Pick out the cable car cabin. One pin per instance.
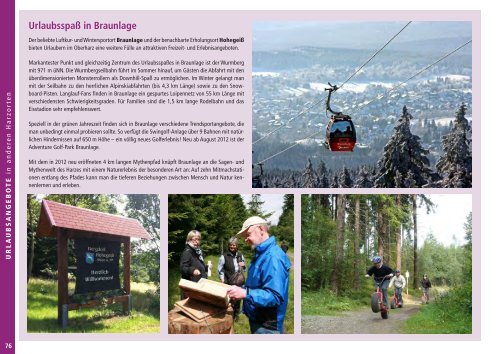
(340, 134)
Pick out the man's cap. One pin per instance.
(251, 221)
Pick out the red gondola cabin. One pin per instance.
(340, 134)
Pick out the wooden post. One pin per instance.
(127, 254)
(62, 278)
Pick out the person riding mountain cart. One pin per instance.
(381, 275)
(399, 282)
(426, 285)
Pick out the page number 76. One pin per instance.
(8, 345)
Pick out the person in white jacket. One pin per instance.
(399, 283)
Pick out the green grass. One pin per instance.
(325, 303)
(450, 313)
(42, 312)
(241, 326)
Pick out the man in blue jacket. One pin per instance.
(265, 294)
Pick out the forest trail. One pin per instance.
(362, 321)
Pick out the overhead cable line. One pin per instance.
(288, 148)
(406, 81)
(379, 96)
(373, 56)
(339, 87)
(288, 121)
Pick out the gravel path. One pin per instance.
(360, 321)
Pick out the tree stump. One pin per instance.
(179, 323)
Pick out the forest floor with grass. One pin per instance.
(450, 312)
(42, 311)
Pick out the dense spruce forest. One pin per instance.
(341, 233)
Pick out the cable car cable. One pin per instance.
(288, 121)
(404, 82)
(288, 148)
(337, 88)
(343, 137)
(373, 56)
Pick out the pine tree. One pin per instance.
(455, 165)
(309, 177)
(404, 154)
(409, 181)
(356, 240)
(255, 207)
(323, 175)
(335, 182)
(336, 276)
(398, 180)
(290, 182)
(415, 241)
(345, 178)
(467, 264)
(364, 179)
(146, 209)
(33, 210)
(285, 230)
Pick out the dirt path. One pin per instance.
(360, 321)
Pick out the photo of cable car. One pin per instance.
(361, 104)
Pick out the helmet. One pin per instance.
(376, 259)
(398, 271)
